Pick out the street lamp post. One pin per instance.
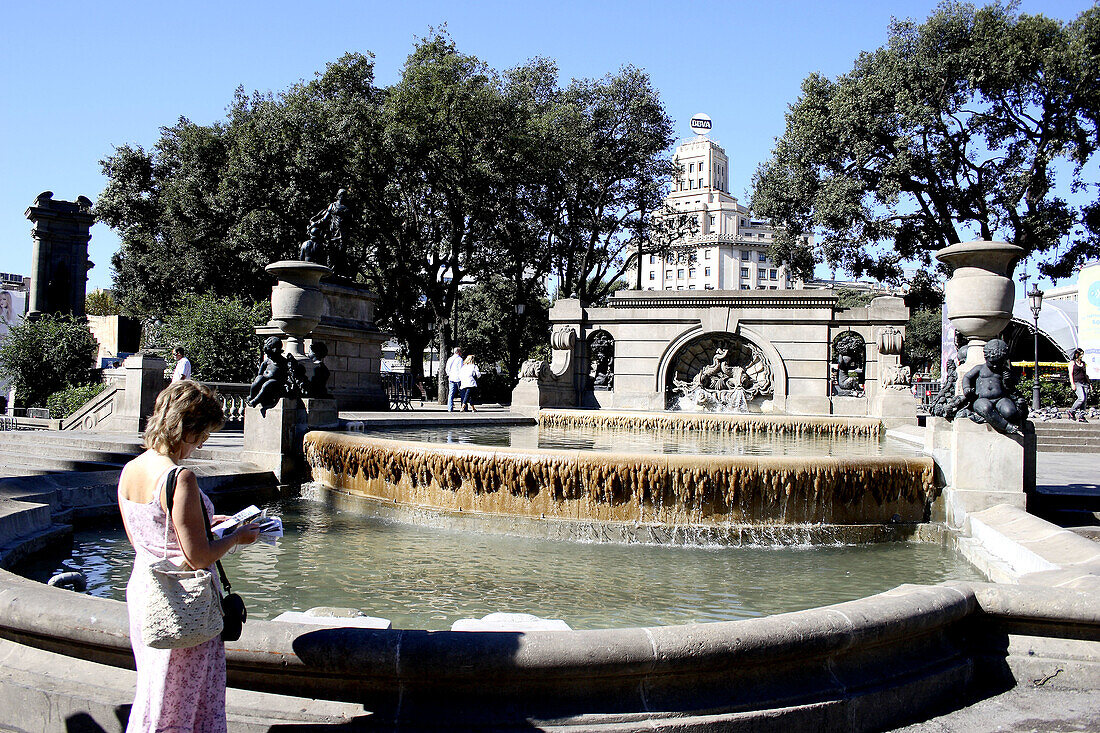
(1035, 298)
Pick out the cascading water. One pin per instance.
(663, 490)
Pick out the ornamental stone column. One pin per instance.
(59, 265)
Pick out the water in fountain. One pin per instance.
(427, 578)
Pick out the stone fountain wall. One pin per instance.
(793, 329)
(670, 490)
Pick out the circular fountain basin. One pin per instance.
(660, 497)
(424, 578)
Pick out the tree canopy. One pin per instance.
(455, 174)
(959, 127)
(46, 355)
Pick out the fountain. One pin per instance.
(586, 491)
(867, 664)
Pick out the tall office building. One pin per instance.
(730, 246)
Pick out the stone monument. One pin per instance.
(59, 267)
(993, 461)
(281, 407)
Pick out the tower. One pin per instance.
(59, 266)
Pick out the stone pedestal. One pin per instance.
(848, 406)
(143, 380)
(346, 327)
(986, 469)
(895, 407)
(529, 395)
(274, 441)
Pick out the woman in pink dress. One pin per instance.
(177, 689)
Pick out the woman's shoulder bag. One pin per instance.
(182, 608)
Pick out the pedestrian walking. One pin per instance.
(1079, 383)
(468, 376)
(183, 365)
(454, 380)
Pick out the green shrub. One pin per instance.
(67, 401)
(1052, 393)
(47, 355)
(219, 335)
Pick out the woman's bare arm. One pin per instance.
(187, 517)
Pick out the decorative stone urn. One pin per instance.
(297, 300)
(979, 294)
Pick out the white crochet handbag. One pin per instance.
(182, 606)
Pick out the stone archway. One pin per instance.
(720, 372)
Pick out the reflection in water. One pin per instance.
(428, 578)
(653, 441)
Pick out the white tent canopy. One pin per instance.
(1057, 321)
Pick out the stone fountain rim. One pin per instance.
(468, 449)
(282, 266)
(985, 246)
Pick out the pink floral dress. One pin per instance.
(177, 689)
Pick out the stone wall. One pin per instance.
(793, 328)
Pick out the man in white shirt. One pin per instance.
(454, 365)
(183, 366)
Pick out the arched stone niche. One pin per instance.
(848, 364)
(719, 371)
(601, 360)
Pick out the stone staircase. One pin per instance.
(33, 452)
(75, 474)
(1064, 436)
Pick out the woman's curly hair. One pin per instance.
(184, 411)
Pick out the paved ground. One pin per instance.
(1024, 709)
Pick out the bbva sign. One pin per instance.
(700, 123)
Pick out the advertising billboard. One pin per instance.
(1088, 316)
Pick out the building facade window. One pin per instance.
(744, 255)
(744, 272)
(680, 272)
(773, 275)
(762, 256)
(691, 168)
(706, 271)
(691, 272)
(652, 275)
(706, 254)
(700, 183)
(668, 274)
(652, 259)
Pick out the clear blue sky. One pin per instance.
(80, 78)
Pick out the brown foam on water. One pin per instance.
(668, 489)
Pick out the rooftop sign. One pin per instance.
(700, 124)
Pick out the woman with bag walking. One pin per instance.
(1079, 383)
(178, 689)
(468, 376)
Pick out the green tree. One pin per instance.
(218, 335)
(852, 298)
(46, 355)
(922, 338)
(958, 127)
(611, 173)
(433, 208)
(101, 303)
(209, 206)
(490, 328)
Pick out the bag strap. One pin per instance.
(169, 494)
